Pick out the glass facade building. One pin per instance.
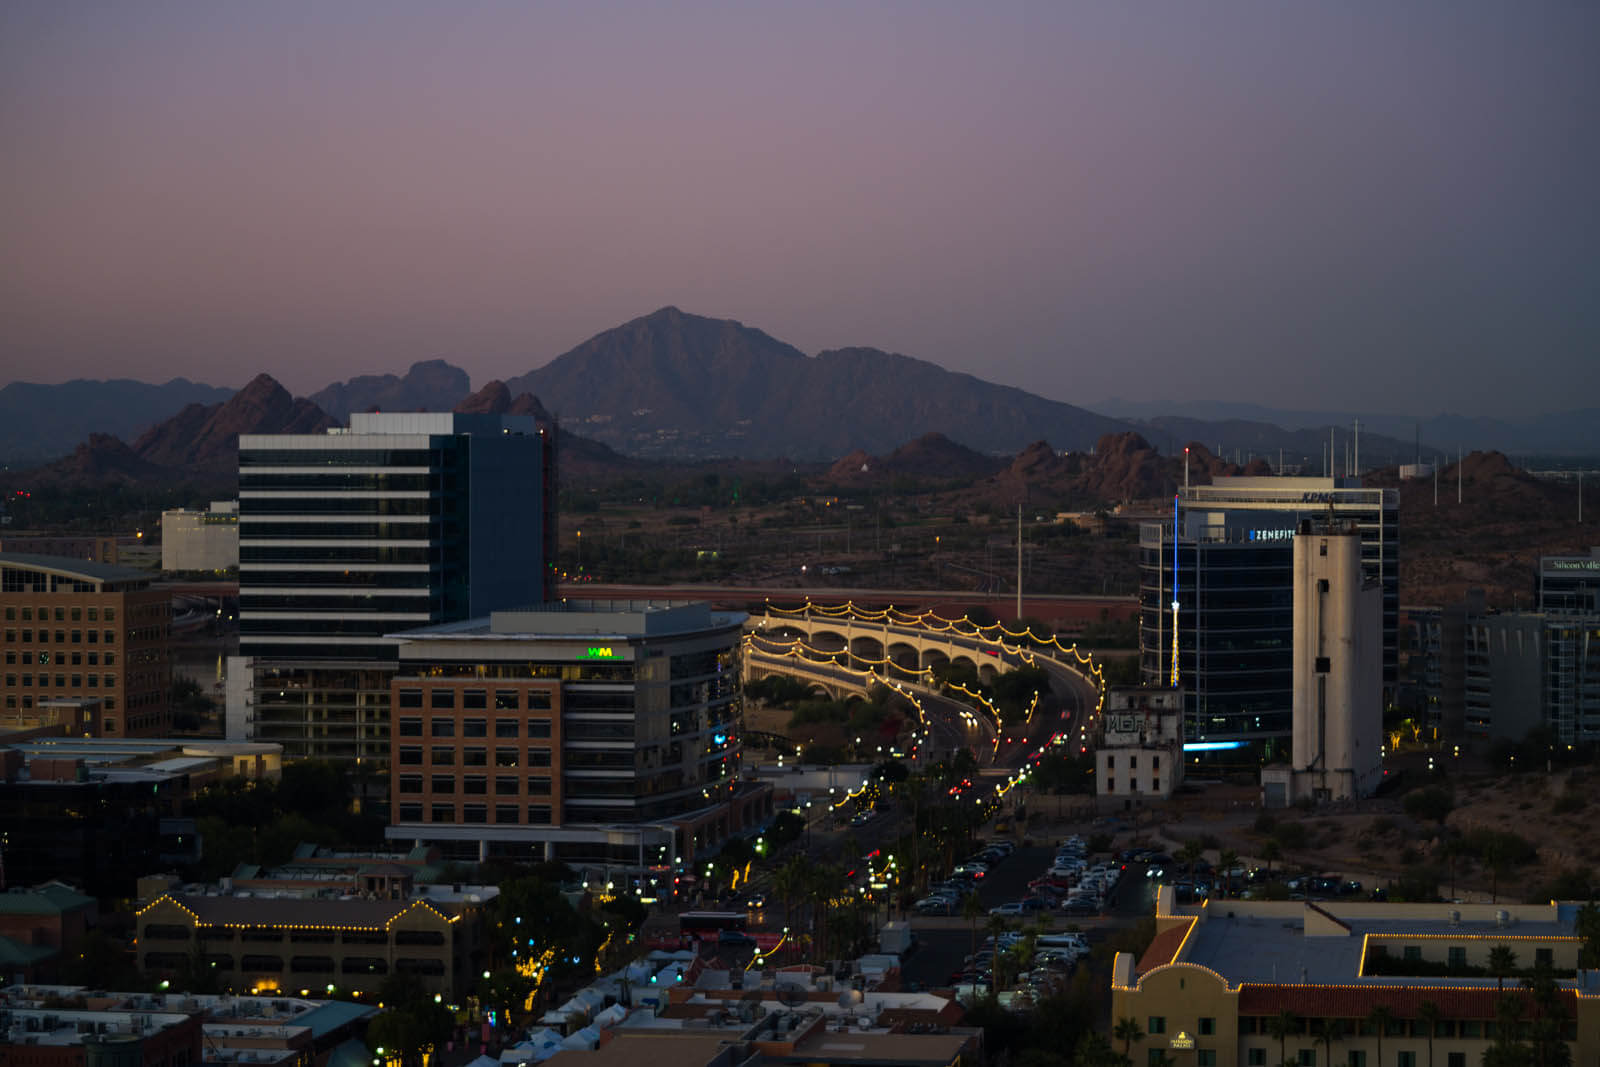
(1235, 595)
(403, 520)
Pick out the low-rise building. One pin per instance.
(1139, 755)
(1220, 980)
(38, 925)
(278, 944)
(201, 540)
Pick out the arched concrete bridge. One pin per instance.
(903, 652)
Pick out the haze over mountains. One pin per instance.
(672, 385)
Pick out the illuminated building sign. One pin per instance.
(598, 653)
(1271, 535)
(1212, 746)
(1182, 1040)
(1574, 564)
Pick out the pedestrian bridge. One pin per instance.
(815, 641)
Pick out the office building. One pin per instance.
(75, 630)
(1570, 585)
(1139, 756)
(403, 520)
(1214, 979)
(1226, 561)
(201, 541)
(600, 734)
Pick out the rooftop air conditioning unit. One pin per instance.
(1502, 918)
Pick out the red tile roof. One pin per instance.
(1163, 948)
(1354, 1002)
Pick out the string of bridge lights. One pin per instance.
(936, 623)
(798, 648)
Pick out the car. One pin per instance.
(1080, 906)
(861, 818)
(1013, 908)
(735, 939)
(756, 901)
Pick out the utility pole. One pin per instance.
(1019, 563)
(1460, 476)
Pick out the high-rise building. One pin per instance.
(1217, 592)
(403, 520)
(1570, 585)
(77, 631)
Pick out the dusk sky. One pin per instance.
(1378, 205)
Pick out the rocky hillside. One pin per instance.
(201, 439)
(40, 422)
(432, 385)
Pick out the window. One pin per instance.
(410, 783)
(1307, 1057)
(411, 698)
(538, 757)
(1155, 1057)
(506, 813)
(1406, 1059)
(1256, 1057)
(77, 614)
(1543, 957)
(505, 727)
(1458, 956)
(1471, 1029)
(1457, 1059)
(1157, 1025)
(539, 814)
(410, 756)
(538, 727)
(444, 757)
(475, 698)
(1155, 763)
(475, 785)
(111, 659)
(1133, 763)
(538, 787)
(1111, 785)
(442, 727)
(94, 615)
(475, 813)
(410, 728)
(539, 700)
(444, 783)
(77, 636)
(1205, 1057)
(442, 699)
(507, 786)
(1155, 785)
(506, 700)
(474, 757)
(1208, 1025)
(1355, 1058)
(111, 615)
(411, 813)
(1111, 761)
(442, 813)
(111, 637)
(1413, 952)
(505, 757)
(475, 728)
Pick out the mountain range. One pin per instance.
(672, 385)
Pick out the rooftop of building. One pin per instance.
(52, 898)
(614, 620)
(226, 906)
(77, 569)
(225, 1016)
(1325, 943)
(152, 760)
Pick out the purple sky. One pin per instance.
(1389, 206)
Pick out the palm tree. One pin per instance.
(1428, 1015)
(1270, 852)
(1379, 1019)
(1227, 859)
(1502, 962)
(1191, 854)
(1331, 1030)
(1127, 1031)
(972, 911)
(997, 925)
(827, 881)
(792, 881)
(1280, 1026)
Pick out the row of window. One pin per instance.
(1133, 785)
(504, 785)
(61, 614)
(1307, 1057)
(63, 637)
(26, 656)
(1133, 762)
(504, 814)
(172, 961)
(78, 681)
(441, 756)
(474, 699)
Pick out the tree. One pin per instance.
(1433, 803)
(997, 926)
(412, 1024)
(1271, 851)
(1279, 1027)
(1380, 1018)
(1502, 963)
(1587, 926)
(1190, 854)
(972, 911)
(1227, 859)
(1428, 1015)
(1331, 1030)
(1127, 1031)
(791, 882)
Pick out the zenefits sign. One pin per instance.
(1272, 535)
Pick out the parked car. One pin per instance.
(1015, 907)
(735, 939)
